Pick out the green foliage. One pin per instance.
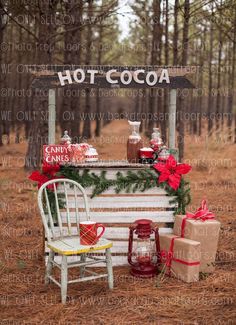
(135, 181)
(52, 203)
(182, 195)
(140, 180)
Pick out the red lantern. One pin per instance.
(143, 254)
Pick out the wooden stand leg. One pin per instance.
(82, 268)
(52, 116)
(49, 267)
(172, 118)
(109, 268)
(64, 273)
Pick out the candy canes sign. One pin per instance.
(55, 154)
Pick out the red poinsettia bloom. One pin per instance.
(38, 177)
(50, 169)
(49, 172)
(170, 171)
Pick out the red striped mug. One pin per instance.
(88, 232)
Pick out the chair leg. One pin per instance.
(49, 266)
(82, 268)
(64, 275)
(109, 268)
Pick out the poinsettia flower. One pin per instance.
(51, 169)
(48, 172)
(38, 177)
(170, 171)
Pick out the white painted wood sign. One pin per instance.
(55, 153)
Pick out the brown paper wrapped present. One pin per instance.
(203, 228)
(180, 257)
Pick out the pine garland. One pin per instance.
(52, 203)
(140, 180)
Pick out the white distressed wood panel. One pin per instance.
(123, 233)
(89, 191)
(152, 205)
(124, 216)
(111, 191)
(110, 232)
(127, 202)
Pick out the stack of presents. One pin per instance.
(192, 246)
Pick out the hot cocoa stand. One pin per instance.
(118, 209)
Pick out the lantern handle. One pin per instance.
(157, 241)
(130, 248)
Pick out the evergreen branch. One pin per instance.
(141, 180)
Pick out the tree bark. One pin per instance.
(166, 97)
(87, 121)
(185, 42)
(76, 58)
(98, 99)
(218, 97)
(72, 55)
(176, 33)
(199, 101)
(1, 57)
(231, 85)
(19, 101)
(210, 98)
(38, 134)
(155, 58)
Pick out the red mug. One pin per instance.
(145, 153)
(88, 232)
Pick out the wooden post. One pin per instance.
(172, 118)
(51, 116)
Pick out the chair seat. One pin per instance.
(71, 245)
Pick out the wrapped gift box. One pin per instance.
(205, 231)
(180, 257)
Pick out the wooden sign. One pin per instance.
(113, 76)
(55, 153)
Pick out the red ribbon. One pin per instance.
(202, 214)
(168, 257)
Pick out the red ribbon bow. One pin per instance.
(201, 213)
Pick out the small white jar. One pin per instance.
(91, 154)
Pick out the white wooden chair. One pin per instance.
(59, 235)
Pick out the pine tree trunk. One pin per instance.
(176, 33)
(72, 55)
(166, 97)
(155, 58)
(1, 76)
(98, 100)
(87, 121)
(27, 83)
(218, 97)
(210, 98)
(199, 101)
(145, 92)
(76, 58)
(185, 41)
(38, 134)
(175, 48)
(66, 102)
(19, 101)
(231, 84)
